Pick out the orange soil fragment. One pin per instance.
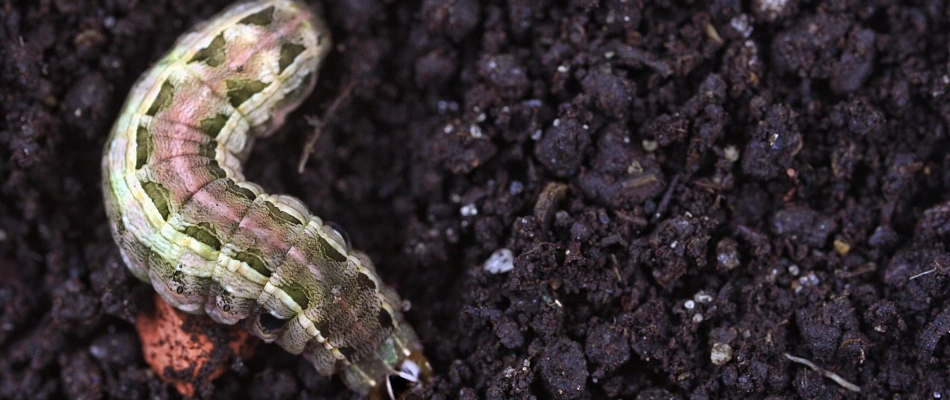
(187, 350)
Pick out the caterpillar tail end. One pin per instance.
(398, 370)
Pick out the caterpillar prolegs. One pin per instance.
(210, 242)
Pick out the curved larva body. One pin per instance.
(210, 242)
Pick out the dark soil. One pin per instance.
(691, 190)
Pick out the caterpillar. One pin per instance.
(186, 220)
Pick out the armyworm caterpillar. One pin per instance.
(186, 220)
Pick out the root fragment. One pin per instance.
(827, 374)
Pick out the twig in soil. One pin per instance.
(925, 272)
(828, 374)
(548, 199)
(632, 55)
(665, 201)
(613, 260)
(319, 124)
(864, 269)
(922, 274)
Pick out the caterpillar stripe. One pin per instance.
(210, 242)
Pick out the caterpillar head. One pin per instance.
(397, 370)
(406, 380)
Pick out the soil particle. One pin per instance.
(564, 369)
(189, 351)
(772, 10)
(27, 129)
(562, 147)
(727, 254)
(655, 394)
(453, 18)
(19, 302)
(607, 347)
(271, 384)
(807, 51)
(934, 224)
(678, 244)
(75, 305)
(804, 226)
(885, 320)
(505, 328)
(612, 94)
(826, 328)
(772, 144)
(119, 294)
(667, 129)
(504, 75)
(82, 378)
(512, 382)
(25, 358)
(116, 350)
(649, 326)
(621, 174)
(86, 104)
(809, 384)
(436, 67)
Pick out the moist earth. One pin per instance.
(696, 194)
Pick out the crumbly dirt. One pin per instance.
(691, 190)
